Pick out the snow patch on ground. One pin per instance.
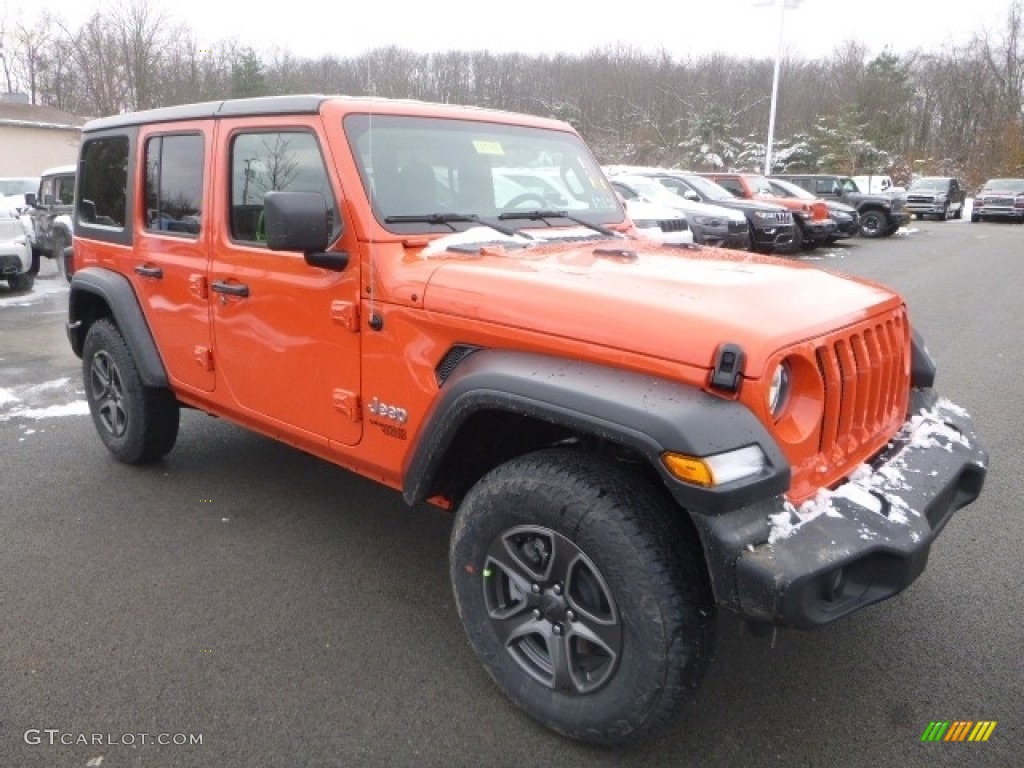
(77, 408)
(41, 401)
(41, 290)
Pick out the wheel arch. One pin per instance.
(100, 293)
(498, 404)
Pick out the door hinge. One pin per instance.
(347, 403)
(346, 313)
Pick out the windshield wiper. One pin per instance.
(541, 215)
(450, 218)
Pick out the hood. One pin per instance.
(745, 204)
(835, 205)
(641, 298)
(641, 209)
(1004, 189)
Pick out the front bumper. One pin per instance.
(818, 231)
(860, 543)
(927, 207)
(998, 211)
(774, 238)
(15, 259)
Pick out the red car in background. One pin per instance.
(814, 225)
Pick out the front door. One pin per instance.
(285, 334)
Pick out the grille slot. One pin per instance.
(865, 378)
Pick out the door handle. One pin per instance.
(147, 271)
(231, 289)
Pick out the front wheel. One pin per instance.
(873, 224)
(138, 424)
(581, 594)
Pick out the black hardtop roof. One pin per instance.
(305, 104)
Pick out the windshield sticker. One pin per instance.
(488, 147)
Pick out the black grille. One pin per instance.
(673, 225)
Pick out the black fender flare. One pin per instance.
(94, 284)
(646, 413)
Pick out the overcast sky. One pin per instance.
(310, 28)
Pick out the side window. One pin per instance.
(104, 185)
(65, 194)
(269, 162)
(46, 196)
(174, 183)
(732, 185)
(626, 192)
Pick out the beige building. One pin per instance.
(34, 138)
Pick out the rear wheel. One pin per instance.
(581, 594)
(23, 282)
(138, 424)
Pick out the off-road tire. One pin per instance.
(59, 243)
(636, 580)
(873, 224)
(138, 424)
(22, 283)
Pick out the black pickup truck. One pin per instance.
(880, 215)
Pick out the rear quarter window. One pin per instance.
(102, 207)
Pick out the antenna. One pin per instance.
(375, 322)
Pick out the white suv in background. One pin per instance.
(15, 248)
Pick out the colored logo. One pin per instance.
(958, 730)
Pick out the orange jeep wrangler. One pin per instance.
(814, 225)
(630, 435)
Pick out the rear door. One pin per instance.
(171, 254)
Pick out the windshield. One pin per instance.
(651, 191)
(435, 175)
(789, 189)
(761, 186)
(18, 186)
(1005, 185)
(929, 183)
(708, 188)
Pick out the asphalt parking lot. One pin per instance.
(288, 613)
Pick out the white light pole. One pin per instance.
(783, 5)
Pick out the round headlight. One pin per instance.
(778, 392)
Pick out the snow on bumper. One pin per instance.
(868, 539)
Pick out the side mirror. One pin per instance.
(297, 221)
(30, 199)
(691, 195)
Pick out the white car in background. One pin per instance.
(710, 224)
(659, 222)
(15, 248)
